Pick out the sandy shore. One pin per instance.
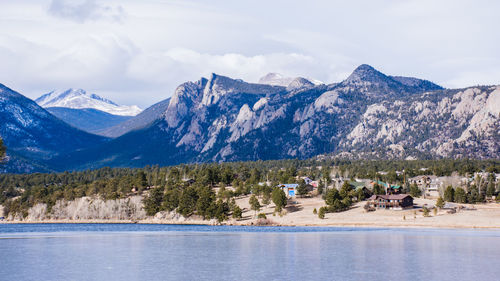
(300, 213)
(485, 216)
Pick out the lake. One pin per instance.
(186, 252)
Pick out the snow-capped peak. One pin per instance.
(277, 79)
(78, 98)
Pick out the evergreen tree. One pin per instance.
(331, 196)
(221, 210)
(474, 195)
(237, 213)
(302, 188)
(415, 191)
(254, 203)
(460, 195)
(440, 202)
(425, 212)
(345, 190)
(205, 202)
(322, 212)
(153, 201)
(2, 150)
(171, 199)
(279, 199)
(141, 179)
(187, 201)
(449, 194)
(491, 189)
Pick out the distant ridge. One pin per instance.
(79, 99)
(369, 115)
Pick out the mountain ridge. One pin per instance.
(81, 99)
(368, 115)
(32, 135)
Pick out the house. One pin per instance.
(389, 188)
(307, 180)
(429, 184)
(391, 201)
(290, 189)
(314, 184)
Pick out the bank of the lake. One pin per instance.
(480, 216)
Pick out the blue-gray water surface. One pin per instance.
(183, 252)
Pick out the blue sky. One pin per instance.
(137, 52)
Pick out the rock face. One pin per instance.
(87, 208)
(368, 115)
(143, 119)
(32, 135)
(447, 123)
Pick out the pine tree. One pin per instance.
(254, 203)
(449, 194)
(440, 202)
(279, 199)
(322, 212)
(460, 195)
(237, 213)
(415, 191)
(2, 150)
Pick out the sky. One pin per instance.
(138, 52)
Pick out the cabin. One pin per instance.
(391, 201)
(307, 180)
(290, 189)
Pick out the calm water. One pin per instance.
(174, 252)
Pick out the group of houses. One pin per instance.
(392, 199)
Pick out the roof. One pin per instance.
(357, 184)
(386, 185)
(289, 185)
(390, 196)
(380, 183)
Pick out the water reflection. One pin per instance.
(239, 255)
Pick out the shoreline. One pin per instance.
(300, 213)
(208, 223)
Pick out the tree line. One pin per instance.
(19, 192)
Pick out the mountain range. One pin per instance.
(78, 99)
(86, 111)
(33, 135)
(369, 115)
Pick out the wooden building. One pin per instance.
(391, 201)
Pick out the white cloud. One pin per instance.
(85, 10)
(188, 63)
(140, 58)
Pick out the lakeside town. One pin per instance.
(258, 193)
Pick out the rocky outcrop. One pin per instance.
(368, 115)
(87, 209)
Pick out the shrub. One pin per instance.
(322, 212)
(426, 212)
